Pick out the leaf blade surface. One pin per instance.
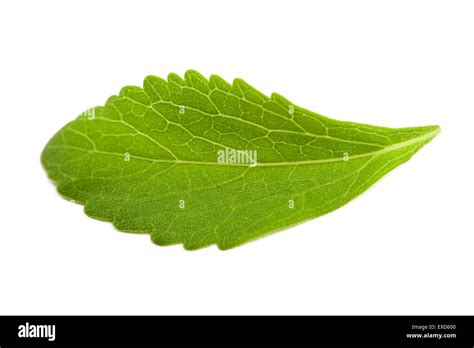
(148, 161)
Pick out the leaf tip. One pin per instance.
(432, 131)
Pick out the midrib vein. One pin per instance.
(387, 149)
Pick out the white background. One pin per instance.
(404, 247)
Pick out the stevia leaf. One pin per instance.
(160, 160)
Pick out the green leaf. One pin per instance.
(203, 162)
